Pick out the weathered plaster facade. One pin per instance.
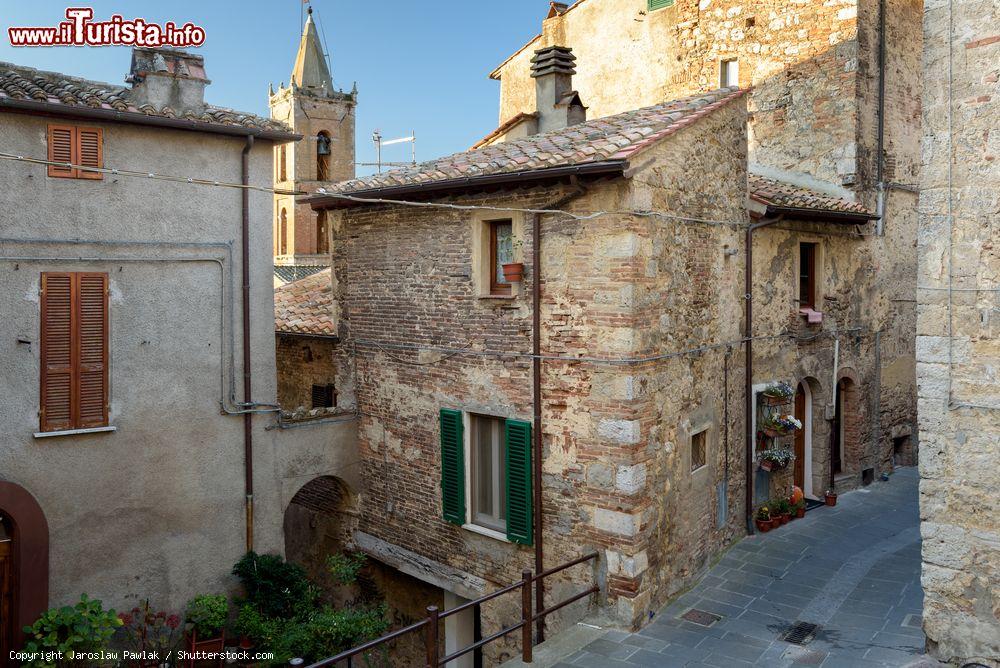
(957, 352)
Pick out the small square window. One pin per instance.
(699, 443)
(489, 476)
(659, 4)
(324, 396)
(729, 73)
(807, 275)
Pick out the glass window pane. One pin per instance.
(504, 249)
(483, 460)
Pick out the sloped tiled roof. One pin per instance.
(57, 90)
(502, 128)
(609, 139)
(787, 196)
(305, 306)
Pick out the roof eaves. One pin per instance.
(817, 214)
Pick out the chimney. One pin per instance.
(558, 105)
(168, 78)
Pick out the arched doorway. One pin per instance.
(24, 564)
(319, 521)
(846, 455)
(803, 467)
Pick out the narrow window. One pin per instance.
(322, 234)
(699, 443)
(324, 396)
(489, 483)
(74, 351)
(323, 156)
(659, 4)
(283, 232)
(501, 253)
(807, 275)
(729, 73)
(79, 146)
(282, 163)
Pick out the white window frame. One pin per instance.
(727, 67)
(470, 522)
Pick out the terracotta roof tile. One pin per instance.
(305, 306)
(785, 195)
(614, 138)
(55, 89)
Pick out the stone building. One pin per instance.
(123, 455)
(324, 116)
(833, 86)
(957, 354)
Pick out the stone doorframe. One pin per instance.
(31, 555)
(807, 426)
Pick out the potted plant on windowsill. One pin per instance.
(763, 519)
(513, 272)
(776, 425)
(206, 622)
(777, 394)
(775, 459)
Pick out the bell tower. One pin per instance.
(324, 116)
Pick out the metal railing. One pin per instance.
(431, 624)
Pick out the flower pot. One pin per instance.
(764, 526)
(245, 643)
(766, 465)
(786, 518)
(800, 512)
(514, 272)
(831, 499)
(775, 401)
(211, 645)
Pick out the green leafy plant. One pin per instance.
(277, 588)
(344, 568)
(207, 615)
(763, 513)
(780, 507)
(83, 628)
(776, 457)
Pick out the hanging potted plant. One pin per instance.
(205, 623)
(775, 425)
(775, 459)
(831, 497)
(777, 394)
(763, 519)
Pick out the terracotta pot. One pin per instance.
(776, 401)
(831, 499)
(764, 526)
(513, 272)
(800, 512)
(786, 518)
(772, 433)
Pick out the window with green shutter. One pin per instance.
(519, 494)
(659, 4)
(452, 466)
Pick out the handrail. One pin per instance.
(431, 623)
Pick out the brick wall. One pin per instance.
(303, 362)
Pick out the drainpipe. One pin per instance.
(880, 161)
(245, 269)
(748, 372)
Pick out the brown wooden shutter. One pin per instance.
(92, 338)
(62, 147)
(90, 152)
(57, 352)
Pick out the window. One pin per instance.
(501, 253)
(74, 351)
(807, 276)
(324, 396)
(659, 4)
(699, 443)
(729, 73)
(494, 492)
(283, 232)
(323, 156)
(78, 146)
(282, 163)
(322, 234)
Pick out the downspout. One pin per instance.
(880, 158)
(748, 371)
(536, 376)
(245, 269)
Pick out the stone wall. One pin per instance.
(957, 353)
(303, 362)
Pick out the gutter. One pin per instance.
(604, 167)
(115, 116)
(820, 215)
(748, 371)
(245, 270)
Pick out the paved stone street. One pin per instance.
(854, 570)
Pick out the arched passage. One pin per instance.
(24, 563)
(847, 446)
(319, 521)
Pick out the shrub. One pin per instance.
(147, 629)
(276, 587)
(207, 615)
(780, 507)
(344, 568)
(84, 627)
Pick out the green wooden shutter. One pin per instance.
(517, 435)
(659, 4)
(452, 467)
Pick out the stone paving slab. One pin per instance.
(853, 569)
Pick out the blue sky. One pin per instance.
(420, 66)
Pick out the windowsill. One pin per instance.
(812, 316)
(492, 533)
(75, 432)
(500, 297)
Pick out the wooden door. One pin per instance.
(6, 598)
(800, 439)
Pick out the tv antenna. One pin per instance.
(379, 143)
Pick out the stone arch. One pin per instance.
(815, 435)
(30, 540)
(320, 520)
(848, 447)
